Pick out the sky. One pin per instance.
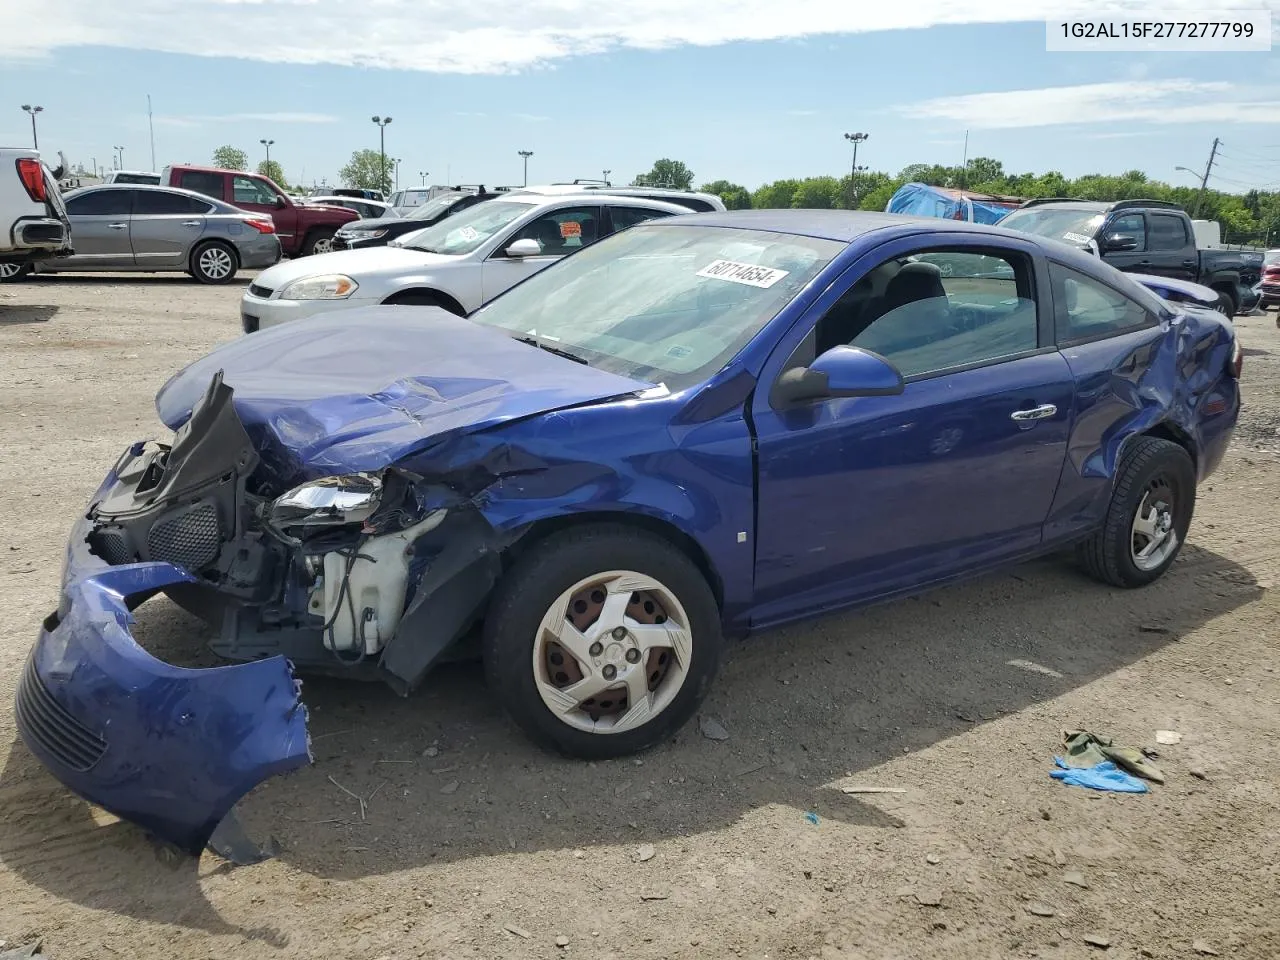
(744, 90)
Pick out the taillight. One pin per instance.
(262, 226)
(32, 177)
(1236, 364)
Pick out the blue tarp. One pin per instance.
(922, 200)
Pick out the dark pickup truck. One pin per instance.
(1144, 236)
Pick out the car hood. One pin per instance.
(1170, 288)
(375, 261)
(377, 223)
(361, 389)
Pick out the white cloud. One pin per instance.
(803, 113)
(200, 121)
(1150, 101)
(486, 36)
(530, 117)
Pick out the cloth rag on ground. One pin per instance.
(1087, 750)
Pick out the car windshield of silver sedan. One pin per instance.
(664, 304)
(466, 231)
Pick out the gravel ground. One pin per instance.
(475, 844)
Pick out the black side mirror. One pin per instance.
(281, 202)
(840, 372)
(1117, 242)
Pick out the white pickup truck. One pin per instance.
(33, 218)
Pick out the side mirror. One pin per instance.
(524, 248)
(1116, 242)
(281, 202)
(840, 372)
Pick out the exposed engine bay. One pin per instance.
(339, 574)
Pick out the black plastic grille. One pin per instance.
(112, 546)
(44, 721)
(191, 539)
(263, 292)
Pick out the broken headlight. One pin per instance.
(329, 501)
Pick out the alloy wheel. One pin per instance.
(1152, 536)
(215, 263)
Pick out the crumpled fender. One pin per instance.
(169, 748)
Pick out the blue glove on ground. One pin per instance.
(1104, 776)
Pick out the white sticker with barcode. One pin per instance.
(748, 273)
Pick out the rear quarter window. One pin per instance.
(1088, 309)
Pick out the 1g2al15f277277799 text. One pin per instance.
(1234, 31)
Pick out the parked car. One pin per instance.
(1269, 289)
(161, 229)
(1144, 236)
(132, 176)
(702, 427)
(381, 231)
(33, 217)
(405, 200)
(360, 193)
(303, 229)
(367, 209)
(457, 264)
(689, 199)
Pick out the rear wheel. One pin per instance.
(602, 641)
(318, 241)
(1226, 304)
(214, 262)
(1148, 517)
(14, 272)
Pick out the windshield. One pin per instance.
(434, 207)
(466, 231)
(664, 304)
(1072, 225)
(411, 198)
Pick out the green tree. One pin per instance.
(666, 173)
(771, 196)
(735, 196)
(982, 170)
(273, 171)
(365, 171)
(816, 193)
(230, 158)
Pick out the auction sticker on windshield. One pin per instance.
(1075, 237)
(749, 273)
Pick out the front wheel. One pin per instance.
(1147, 520)
(14, 272)
(318, 241)
(214, 262)
(602, 641)
(1226, 304)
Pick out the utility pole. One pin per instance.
(526, 154)
(382, 147)
(855, 139)
(964, 163)
(152, 130)
(396, 161)
(1204, 181)
(35, 140)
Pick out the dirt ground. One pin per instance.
(476, 844)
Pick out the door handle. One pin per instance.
(117, 226)
(1035, 413)
(191, 223)
(1188, 263)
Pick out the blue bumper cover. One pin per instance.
(168, 748)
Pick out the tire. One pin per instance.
(1151, 473)
(14, 272)
(319, 240)
(214, 262)
(1226, 304)
(427, 298)
(576, 567)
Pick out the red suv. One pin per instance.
(303, 230)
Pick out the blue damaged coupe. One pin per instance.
(701, 427)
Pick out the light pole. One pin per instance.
(423, 175)
(382, 147)
(606, 176)
(35, 140)
(855, 139)
(267, 144)
(525, 154)
(120, 158)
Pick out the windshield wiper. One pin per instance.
(558, 351)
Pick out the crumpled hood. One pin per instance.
(357, 264)
(360, 389)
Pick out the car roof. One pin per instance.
(843, 226)
(579, 196)
(223, 206)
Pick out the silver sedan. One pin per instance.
(159, 229)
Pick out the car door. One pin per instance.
(1170, 252)
(165, 226)
(558, 233)
(1129, 225)
(868, 497)
(100, 230)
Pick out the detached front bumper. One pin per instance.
(169, 748)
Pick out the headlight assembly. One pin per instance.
(332, 286)
(329, 501)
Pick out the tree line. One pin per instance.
(1249, 218)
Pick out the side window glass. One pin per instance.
(1130, 225)
(564, 231)
(1167, 232)
(101, 203)
(938, 310)
(624, 217)
(210, 184)
(1088, 308)
(158, 202)
(248, 190)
